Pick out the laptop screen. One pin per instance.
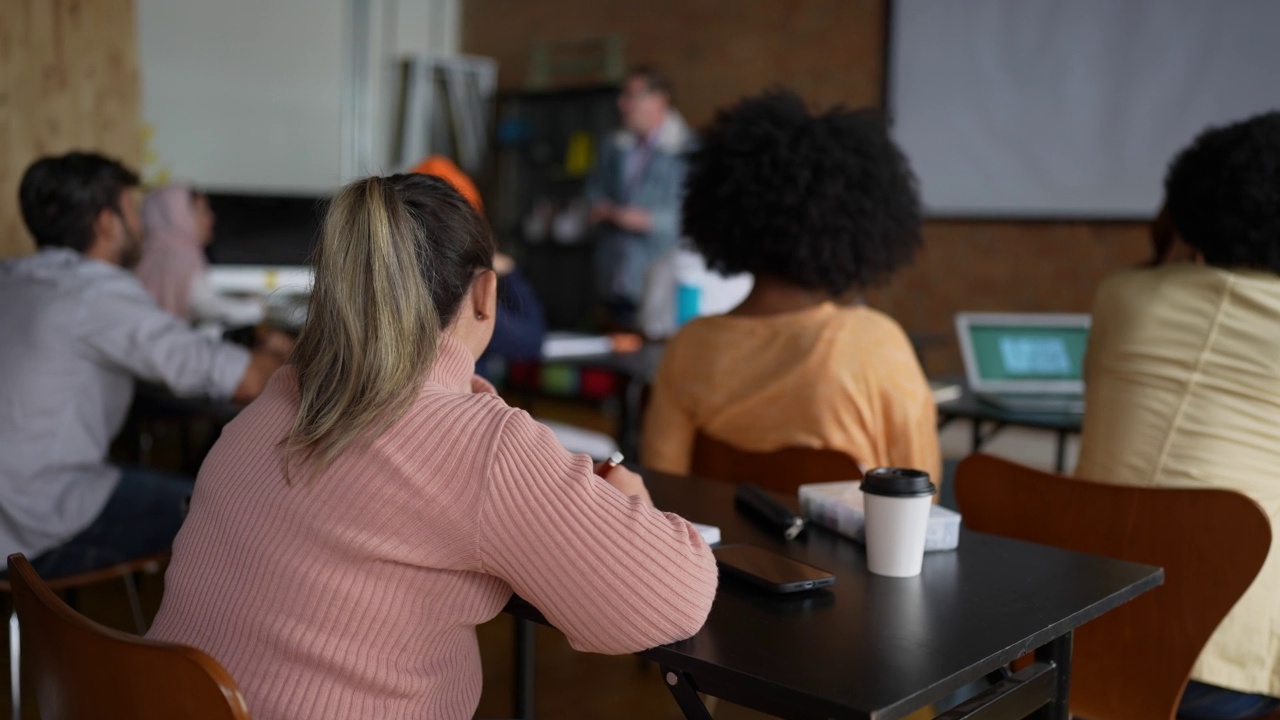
(1024, 353)
(1012, 353)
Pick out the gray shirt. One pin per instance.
(74, 334)
(653, 180)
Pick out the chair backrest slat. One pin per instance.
(781, 471)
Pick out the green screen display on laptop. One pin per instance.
(1012, 352)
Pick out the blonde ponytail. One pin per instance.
(373, 329)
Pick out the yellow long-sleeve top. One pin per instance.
(833, 377)
(1183, 391)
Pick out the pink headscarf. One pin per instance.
(172, 257)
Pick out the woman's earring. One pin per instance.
(480, 316)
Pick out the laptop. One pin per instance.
(1025, 362)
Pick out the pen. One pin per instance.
(604, 468)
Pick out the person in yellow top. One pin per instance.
(817, 208)
(1183, 381)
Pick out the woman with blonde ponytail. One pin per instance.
(353, 526)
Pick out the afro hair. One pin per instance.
(1223, 194)
(823, 202)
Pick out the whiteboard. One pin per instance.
(1069, 108)
(243, 94)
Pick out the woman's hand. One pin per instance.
(628, 482)
(602, 212)
(633, 219)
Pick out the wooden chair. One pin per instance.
(83, 669)
(125, 572)
(1133, 662)
(780, 471)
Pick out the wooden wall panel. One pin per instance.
(1004, 267)
(68, 80)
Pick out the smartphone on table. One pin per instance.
(770, 571)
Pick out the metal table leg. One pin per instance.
(522, 698)
(15, 665)
(979, 438)
(685, 694)
(1057, 652)
(629, 413)
(1060, 461)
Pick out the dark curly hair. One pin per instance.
(823, 202)
(1223, 194)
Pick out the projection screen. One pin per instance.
(1069, 108)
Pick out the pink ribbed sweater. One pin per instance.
(355, 593)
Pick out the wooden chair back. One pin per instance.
(82, 669)
(1133, 662)
(144, 564)
(780, 471)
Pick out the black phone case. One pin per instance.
(779, 588)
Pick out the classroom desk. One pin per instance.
(641, 364)
(637, 370)
(155, 406)
(881, 648)
(969, 407)
(154, 403)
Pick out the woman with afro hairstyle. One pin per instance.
(1183, 382)
(817, 208)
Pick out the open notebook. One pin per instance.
(566, 344)
(710, 533)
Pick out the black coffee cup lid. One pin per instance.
(898, 482)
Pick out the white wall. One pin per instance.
(249, 95)
(401, 28)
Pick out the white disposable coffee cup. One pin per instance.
(897, 502)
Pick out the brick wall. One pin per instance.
(1004, 266)
(830, 51)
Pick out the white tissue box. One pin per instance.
(838, 506)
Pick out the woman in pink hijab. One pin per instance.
(179, 224)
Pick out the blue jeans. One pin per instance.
(1209, 702)
(141, 518)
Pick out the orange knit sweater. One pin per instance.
(355, 593)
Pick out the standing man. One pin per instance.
(76, 330)
(635, 191)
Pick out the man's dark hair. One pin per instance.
(61, 197)
(653, 78)
(823, 202)
(1223, 194)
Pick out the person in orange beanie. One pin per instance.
(522, 323)
(443, 167)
